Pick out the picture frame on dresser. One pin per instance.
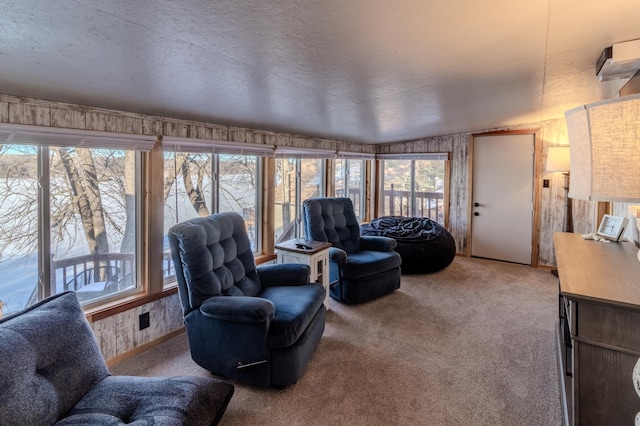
(612, 227)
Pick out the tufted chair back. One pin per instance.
(332, 220)
(213, 257)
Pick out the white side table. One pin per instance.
(316, 256)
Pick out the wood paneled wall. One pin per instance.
(38, 112)
(119, 334)
(551, 133)
(631, 233)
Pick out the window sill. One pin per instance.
(265, 258)
(121, 305)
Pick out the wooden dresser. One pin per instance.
(599, 329)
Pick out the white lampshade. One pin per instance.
(604, 138)
(557, 159)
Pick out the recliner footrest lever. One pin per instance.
(242, 366)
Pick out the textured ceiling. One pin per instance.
(359, 70)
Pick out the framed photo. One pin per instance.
(612, 227)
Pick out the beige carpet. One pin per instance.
(470, 345)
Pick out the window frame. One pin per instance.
(346, 176)
(413, 157)
(299, 155)
(215, 149)
(367, 176)
(258, 215)
(42, 139)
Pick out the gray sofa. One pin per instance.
(52, 372)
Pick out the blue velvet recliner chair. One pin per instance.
(360, 268)
(259, 325)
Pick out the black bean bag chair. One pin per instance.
(423, 244)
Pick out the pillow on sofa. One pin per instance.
(49, 359)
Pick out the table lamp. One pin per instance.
(604, 139)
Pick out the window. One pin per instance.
(187, 194)
(238, 191)
(350, 182)
(69, 215)
(199, 183)
(414, 185)
(18, 226)
(296, 180)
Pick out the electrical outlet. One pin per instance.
(144, 320)
(545, 183)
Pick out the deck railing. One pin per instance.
(355, 195)
(115, 270)
(428, 204)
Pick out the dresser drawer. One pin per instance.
(613, 327)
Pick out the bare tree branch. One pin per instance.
(170, 176)
(81, 202)
(89, 179)
(194, 193)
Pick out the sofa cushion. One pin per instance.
(125, 400)
(49, 359)
(295, 307)
(366, 263)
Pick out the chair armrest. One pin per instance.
(337, 255)
(283, 274)
(377, 243)
(244, 309)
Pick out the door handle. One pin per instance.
(476, 214)
(476, 204)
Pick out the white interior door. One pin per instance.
(502, 211)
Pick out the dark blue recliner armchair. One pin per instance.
(360, 268)
(259, 325)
